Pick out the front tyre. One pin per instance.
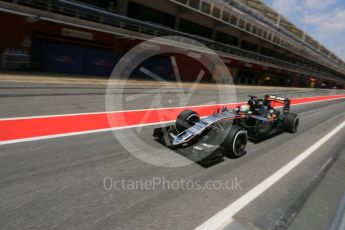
(291, 123)
(186, 119)
(235, 142)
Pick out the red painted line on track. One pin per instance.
(23, 128)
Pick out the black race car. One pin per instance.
(227, 131)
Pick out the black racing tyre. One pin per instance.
(291, 123)
(235, 142)
(186, 119)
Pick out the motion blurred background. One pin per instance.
(88, 37)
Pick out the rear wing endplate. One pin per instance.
(282, 100)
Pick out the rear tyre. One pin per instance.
(186, 119)
(235, 142)
(291, 123)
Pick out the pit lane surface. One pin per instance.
(58, 183)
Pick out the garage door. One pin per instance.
(76, 59)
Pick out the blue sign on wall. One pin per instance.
(76, 59)
(159, 65)
(62, 58)
(99, 61)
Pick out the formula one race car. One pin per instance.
(228, 131)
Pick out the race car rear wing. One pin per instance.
(281, 100)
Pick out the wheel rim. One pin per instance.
(240, 143)
(194, 118)
(188, 122)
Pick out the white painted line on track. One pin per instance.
(17, 141)
(225, 216)
(78, 133)
(153, 109)
(120, 111)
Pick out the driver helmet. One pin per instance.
(245, 108)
